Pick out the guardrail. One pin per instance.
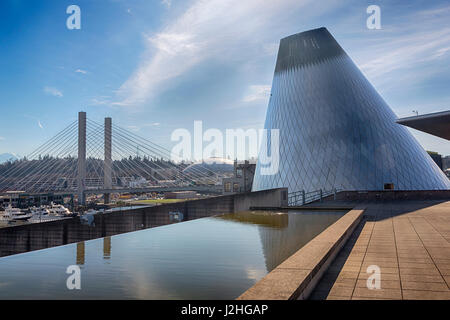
(299, 198)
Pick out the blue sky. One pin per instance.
(155, 66)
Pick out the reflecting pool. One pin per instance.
(210, 258)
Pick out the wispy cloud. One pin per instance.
(257, 92)
(2, 138)
(168, 3)
(407, 51)
(147, 125)
(434, 12)
(401, 54)
(441, 52)
(207, 29)
(99, 101)
(53, 91)
(81, 71)
(405, 47)
(133, 128)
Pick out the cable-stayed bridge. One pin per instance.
(88, 157)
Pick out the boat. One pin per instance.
(39, 211)
(15, 214)
(58, 210)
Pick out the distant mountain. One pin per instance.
(7, 156)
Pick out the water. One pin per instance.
(209, 258)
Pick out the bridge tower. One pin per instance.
(107, 165)
(81, 178)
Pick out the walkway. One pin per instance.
(408, 240)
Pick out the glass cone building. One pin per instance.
(335, 130)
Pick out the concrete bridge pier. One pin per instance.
(107, 169)
(81, 178)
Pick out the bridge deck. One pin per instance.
(216, 189)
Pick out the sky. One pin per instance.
(155, 66)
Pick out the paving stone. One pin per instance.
(432, 271)
(383, 269)
(425, 295)
(338, 298)
(412, 255)
(442, 261)
(367, 298)
(447, 280)
(380, 259)
(384, 276)
(416, 265)
(385, 284)
(351, 268)
(417, 260)
(341, 291)
(378, 293)
(444, 271)
(381, 264)
(352, 264)
(347, 275)
(421, 278)
(431, 286)
(348, 282)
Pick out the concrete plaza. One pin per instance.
(408, 240)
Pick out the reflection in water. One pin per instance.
(263, 218)
(210, 258)
(282, 233)
(106, 247)
(80, 253)
(278, 245)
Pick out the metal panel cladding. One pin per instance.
(335, 130)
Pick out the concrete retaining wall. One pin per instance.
(24, 238)
(392, 195)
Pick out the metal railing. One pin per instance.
(299, 198)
